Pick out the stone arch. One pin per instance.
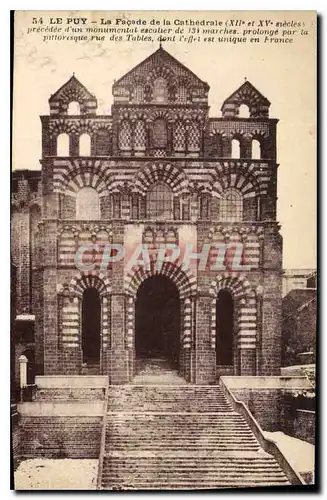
(184, 280)
(244, 181)
(84, 144)
(83, 172)
(174, 177)
(89, 179)
(162, 114)
(241, 290)
(62, 146)
(165, 73)
(92, 279)
(244, 110)
(239, 286)
(261, 138)
(74, 108)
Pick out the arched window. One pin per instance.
(160, 202)
(181, 95)
(159, 134)
(138, 94)
(231, 206)
(256, 149)
(63, 145)
(73, 108)
(160, 92)
(84, 145)
(236, 148)
(87, 204)
(244, 111)
(125, 136)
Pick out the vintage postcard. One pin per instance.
(163, 250)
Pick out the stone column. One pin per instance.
(205, 356)
(247, 361)
(22, 371)
(117, 355)
(271, 301)
(247, 335)
(50, 302)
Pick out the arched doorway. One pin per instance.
(224, 328)
(157, 321)
(91, 327)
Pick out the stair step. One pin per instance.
(192, 485)
(181, 437)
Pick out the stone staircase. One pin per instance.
(91, 368)
(180, 438)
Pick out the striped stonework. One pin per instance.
(78, 126)
(247, 322)
(250, 236)
(250, 179)
(90, 279)
(105, 322)
(66, 247)
(79, 173)
(240, 288)
(231, 127)
(69, 314)
(168, 173)
(184, 280)
(247, 93)
(130, 322)
(187, 334)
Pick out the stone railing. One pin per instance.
(268, 446)
(103, 441)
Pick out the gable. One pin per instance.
(73, 86)
(72, 91)
(246, 94)
(161, 64)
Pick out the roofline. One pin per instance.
(151, 55)
(244, 83)
(52, 97)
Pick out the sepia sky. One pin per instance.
(284, 73)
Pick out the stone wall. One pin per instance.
(304, 425)
(264, 404)
(60, 437)
(264, 398)
(15, 440)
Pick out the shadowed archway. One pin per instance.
(224, 328)
(91, 326)
(157, 320)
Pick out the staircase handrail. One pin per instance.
(267, 444)
(103, 438)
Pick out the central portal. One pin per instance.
(157, 323)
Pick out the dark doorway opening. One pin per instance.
(224, 328)
(91, 321)
(157, 320)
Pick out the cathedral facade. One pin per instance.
(159, 172)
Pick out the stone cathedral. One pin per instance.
(158, 170)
